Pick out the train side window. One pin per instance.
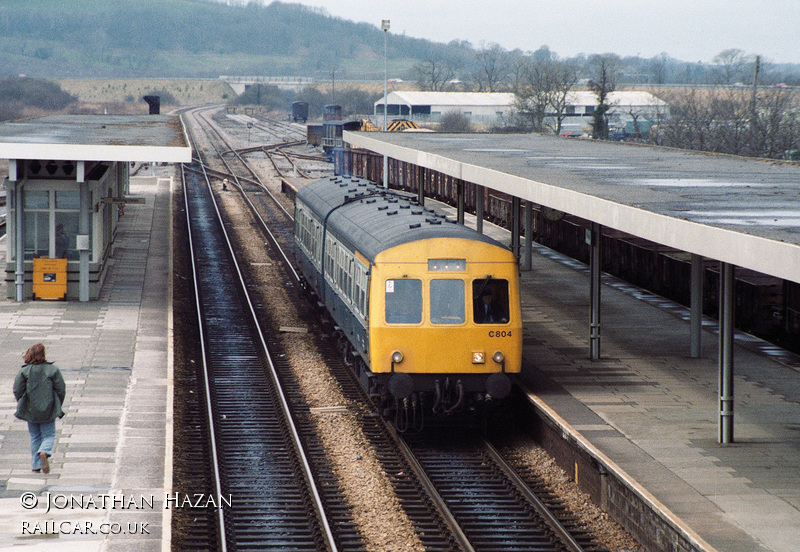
(490, 301)
(317, 241)
(350, 277)
(403, 301)
(360, 291)
(447, 302)
(330, 251)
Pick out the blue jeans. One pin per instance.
(43, 437)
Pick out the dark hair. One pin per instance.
(34, 354)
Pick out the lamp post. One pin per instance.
(385, 29)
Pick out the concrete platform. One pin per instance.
(650, 412)
(115, 441)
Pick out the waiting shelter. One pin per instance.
(67, 177)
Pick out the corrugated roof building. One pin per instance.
(479, 107)
(495, 107)
(631, 112)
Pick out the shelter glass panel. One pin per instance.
(66, 232)
(36, 199)
(37, 234)
(68, 199)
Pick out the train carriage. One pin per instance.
(429, 309)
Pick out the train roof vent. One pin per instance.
(416, 212)
(415, 225)
(432, 221)
(390, 213)
(405, 206)
(383, 207)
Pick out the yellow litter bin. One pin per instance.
(49, 278)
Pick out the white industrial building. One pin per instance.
(630, 110)
(479, 107)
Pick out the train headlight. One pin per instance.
(498, 357)
(478, 357)
(397, 357)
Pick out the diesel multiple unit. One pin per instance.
(427, 309)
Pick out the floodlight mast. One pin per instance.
(385, 29)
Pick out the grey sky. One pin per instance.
(689, 30)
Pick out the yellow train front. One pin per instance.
(427, 310)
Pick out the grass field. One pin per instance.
(114, 91)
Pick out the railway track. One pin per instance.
(435, 535)
(259, 461)
(284, 147)
(457, 497)
(494, 506)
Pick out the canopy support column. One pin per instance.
(84, 231)
(515, 203)
(421, 180)
(479, 192)
(696, 324)
(460, 186)
(727, 304)
(595, 260)
(527, 256)
(19, 233)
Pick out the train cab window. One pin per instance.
(490, 301)
(447, 302)
(403, 301)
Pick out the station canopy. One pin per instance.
(142, 138)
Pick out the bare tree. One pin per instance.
(533, 92)
(690, 123)
(542, 89)
(435, 74)
(518, 62)
(777, 129)
(721, 120)
(606, 70)
(730, 65)
(731, 111)
(494, 68)
(659, 66)
(564, 75)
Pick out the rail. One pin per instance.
(249, 444)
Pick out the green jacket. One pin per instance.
(40, 391)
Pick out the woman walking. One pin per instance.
(40, 390)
